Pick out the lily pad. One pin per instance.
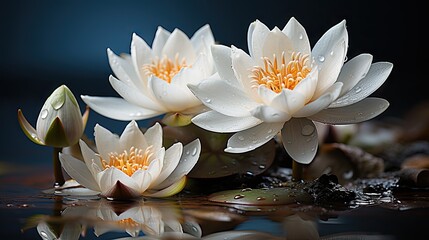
(262, 196)
(214, 162)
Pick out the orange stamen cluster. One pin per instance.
(277, 76)
(129, 162)
(165, 68)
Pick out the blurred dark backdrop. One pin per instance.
(48, 43)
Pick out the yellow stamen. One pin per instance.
(129, 222)
(130, 162)
(165, 68)
(277, 76)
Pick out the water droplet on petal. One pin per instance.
(187, 152)
(238, 196)
(358, 89)
(194, 151)
(241, 138)
(307, 130)
(208, 100)
(301, 36)
(332, 53)
(43, 235)
(345, 59)
(44, 113)
(270, 131)
(321, 58)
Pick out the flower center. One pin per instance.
(129, 222)
(277, 76)
(129, 162)
(165, 68)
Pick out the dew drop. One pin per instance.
(260, 198)
(241, 138)
(44, 113)
(332, 53)
(238, 196)
(321, 58)
(348, 174)
(345, 59)
(261, 166)
(194, 152)
(270, 131)
(307, 130)
(246, 189)
(301, 36)
(208, 100)
(187, 152)
(358, 89)
(43, 235)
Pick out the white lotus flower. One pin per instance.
(284, 85)
(132, 165)
(152, 81)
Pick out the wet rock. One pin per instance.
(326, 191)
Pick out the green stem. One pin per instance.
(58, 172)
(296, 171)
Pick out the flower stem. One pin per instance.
(58, 172)
(296, 171)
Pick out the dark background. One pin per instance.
(48, 43)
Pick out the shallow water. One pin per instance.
(26, 212)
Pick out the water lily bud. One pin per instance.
(60, 122)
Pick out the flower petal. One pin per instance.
(289, 101)
(353, 71)
(143, 179)
(217, 122)
(90, 157)
(266, 95)
(123, 68)
(140, 54)
(118, 108)
(307, 86)
(276, 43)
(29, 130)
(252, 138)
(223, 63)
(190, 156)
(113, 182)
(179, 43)
(153, 136)
(156, 165)
(269, 114)
(223, 97)
(375, 77)
(171, 159)
(174, 97)
(299, 137)
(159, 41)
(361, 111)
(106, 141)
(77, 170)
(242, 64)
(202, 37)
(134, 95)
(296, 32)
(169, 191)
(132, 136)
(256, 35)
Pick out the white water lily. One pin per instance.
(153, 80)
(132, 165)
(283, 86)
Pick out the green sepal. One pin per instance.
(56, 136)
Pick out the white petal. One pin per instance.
(159, 41)
(242, 64)
(77, 170)
(329, 72)
(179, 43)
(140, 54)
(118, 108)
(316, 106)
(143, 179)
(194, 74)
(156, 165)
(307, 86)
(375, 77)
(202, 37)
(190, 156)
(171, 160)
(361, 111)
(123, 68)
(296, 32)
(299, 137)
(173, 97)
(217, 122)
(258, 32)
(135, 96)
(270, 115)
(90, 157)
(153, 136)
(252, 138)
(223, 63)
(289, 101)
(106, 141)
(109, 177)
(277, 43)
(266, 95)
(222, 97)
(353, 71)
(132, 136)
